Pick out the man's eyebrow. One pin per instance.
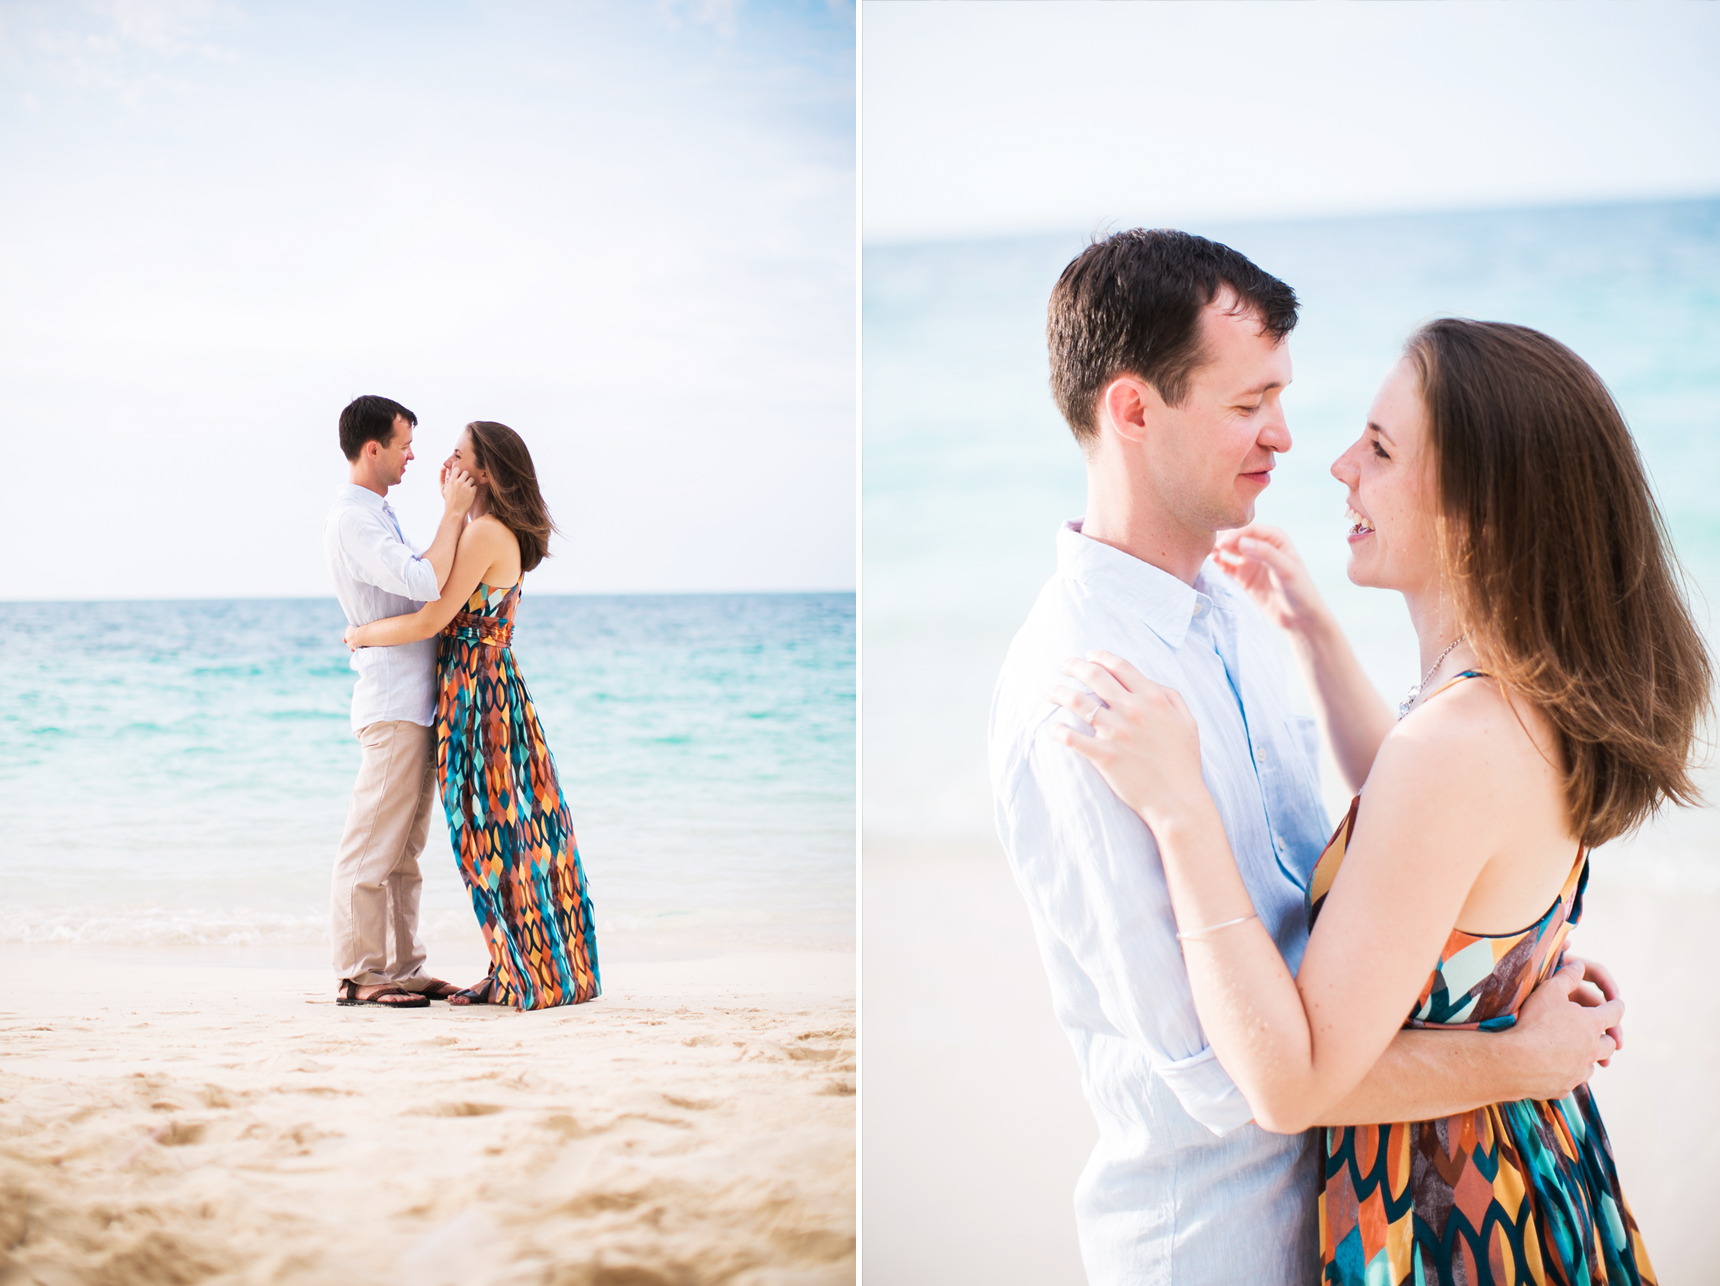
(1377, 429)
(1260, 390)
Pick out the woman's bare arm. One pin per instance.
(1550, 1051)
(1349, 707)
(1297, 1047)
(1265, 564)
(458, 492)
(482, 547)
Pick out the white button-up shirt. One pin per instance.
(377, 575)
(1183, 1186)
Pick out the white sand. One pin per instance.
(171, 1122)
(974, 1128)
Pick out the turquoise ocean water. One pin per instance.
(177, 774)
(969, 469)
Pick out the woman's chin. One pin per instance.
(1360, 569)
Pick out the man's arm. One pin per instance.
(1426, 1074)
(375, 555)
(480, 548)
(1090, 864)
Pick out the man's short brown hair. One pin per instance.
(370, 419)
(1131, 305)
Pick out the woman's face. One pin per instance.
(464, 458)
(1390, 475)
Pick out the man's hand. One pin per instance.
(458, 491)
(1599, 986)
(1560, 1035)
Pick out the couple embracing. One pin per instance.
(440, 707)
(1356, 1057)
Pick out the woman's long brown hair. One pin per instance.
(514, 495)
(1563, 577)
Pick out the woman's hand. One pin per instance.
(1145, 743)
(1262, 560)
(352, 636)
(458, 489)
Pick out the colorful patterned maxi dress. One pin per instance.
(507, 816)
(1519, 1192)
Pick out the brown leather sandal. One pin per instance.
(348, 995)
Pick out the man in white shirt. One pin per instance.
(1168, 358)
(373, 902)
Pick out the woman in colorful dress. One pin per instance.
(1497, 488)
(506, 813)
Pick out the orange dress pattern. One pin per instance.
(507, 817)
(1509, 1193)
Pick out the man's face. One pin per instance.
(1209, 459)
(391, 459)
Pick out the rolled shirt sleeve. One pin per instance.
(1106, 899)
(1206, 1091)
(375, 555)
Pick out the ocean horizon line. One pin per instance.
(1186, 219)
(325, 598)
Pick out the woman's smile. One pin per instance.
(1359, 526)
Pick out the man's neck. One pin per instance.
(1126, 518)
(363, 478)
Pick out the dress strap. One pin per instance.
(1575, 878)
(1467, 674)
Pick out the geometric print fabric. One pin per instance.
(507, 817)
(1521, 1192)
(1510, 1193)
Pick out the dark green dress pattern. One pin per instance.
(507, 817)
(1511, 1194)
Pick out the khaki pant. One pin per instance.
(373, 902)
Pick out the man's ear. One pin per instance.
(1126, 405)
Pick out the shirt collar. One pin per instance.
(1167, 605)
(352, 493)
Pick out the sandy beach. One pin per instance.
(975, 1128)
(174, 1121)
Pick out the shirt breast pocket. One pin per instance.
(1305, 736)
(1303, 733)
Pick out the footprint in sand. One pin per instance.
(296, 1063)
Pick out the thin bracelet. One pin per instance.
(1214, 928)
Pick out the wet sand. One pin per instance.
(164, 1122)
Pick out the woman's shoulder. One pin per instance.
(1473, 738)
(492, 531)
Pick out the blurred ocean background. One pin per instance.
(969, 469)
(176, 774)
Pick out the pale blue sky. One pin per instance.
(625, 229)
(997, 118)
